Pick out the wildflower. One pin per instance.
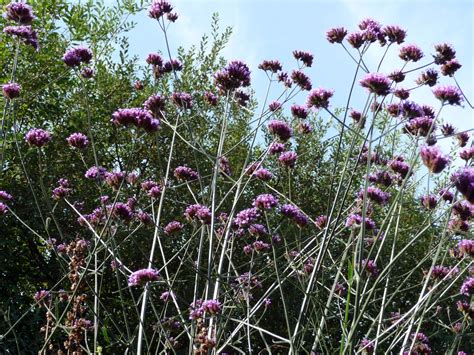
(142, 277)
(265, 201)
(450, 67)
(304, 128)
(224, 166)
(210, 98)
(19, 12)
(464, 210)
(444, 53)
(448, 95)
(299, 111)
(294, 213)
(376, 195)
(274, 106)
(235, 75)
(95, 173)
(5, 196)
(321, 222)
(154, 59)
(447, 129)
(446, 195)
(301, 79)
(440, 272)
(283, 78)
(144, 217)
(37, 137)
(429, 201)
(213, 307)
(401, 93)
(41, 295)
(376, 83)
(288, 159)
(356, 220)
(382, 178)
(198, 212)
(173, 227)
(165, 296)
(411, 109)
(257, 230)
(263, 174)
(11, 90)
(464, 181)
(241, 97)
(138, 85)
(182, 99)
(397, 76)
(122, 211)
(159, 8)
(394, 34)
(171, 66)
(433, 158)
(156, 105)
(467, 153)
(62, 190)
(75, 56)
(152, 188)
(270, 65)
(428, 77)
(260, 246)
(356, 39)
(276, 148)
(246, 217)
(3, 208)
(184, 173)
(281, 129)
(420, 126)
(366, 346)
(467, 287)
(87, 73)
(410, 52)
(462, 138)
(78, 140)
(305, 57)
(371, 267)
(466, 247)
(319, 98)
(336, 35)
(138, 117)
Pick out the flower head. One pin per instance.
(265, 201)
(319, 98)
(433, 158)
(11, 90)
(184, 173)
(75, 56)
(159, 8)
(448, 95)
(301, 79)
(464, 182)
(25, 33)
(376, 83)
(19, 12)
(273, 66)
(288, 159)
(173, 227)
(444, 53)
(450, 67)
(428, 77)
(37, 137)
(336, 35)
(394, 34)
(235, 75)
(280, 129)
(78, 140)
(182, 99)
(410, 52)
(467, 287)
(142, 277)
(305, 57)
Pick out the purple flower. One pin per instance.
(305, 57)
(270, 65)
(246, 217)
(11, 90)
(182, 99)
(198, 212)
(294, 213)
(159, 8)
(143, 276)
(152, 188)
(433, 158)
(401, 93)
(464, 210)
(172, 65)
(357, 116)
(304, 128)
(212, 306)
(265, 201)
(336, 35)
(411, 109)
(321, 222)
(420, 126)
(121, 210)
(428, 77)
(19, 12)
(281, 129)
(356, 39)
(462, 138)
(440, 272)
(235, 75)
(87, 72)
(5, 196)
(173, 227)
(95, 173)
(446, 195)
(276, 148)
(448, 95)
(3, 209)
(467, 287)
(355, 221)
(410, 52)
(138, 117)
(394, 34)
(467, 153)
(78, 140)
(62, 190)
(42, 294)
(382, 177)
(319, 98)
(156, 105)
(429, 201)
(370, 266)
(224, 166)
(37, 137)
(210, 98)
(366, 346)
(184, 173)
(75, 56)
(172, 16)
(288, 159)
(257, 230)
(450, 67)
(299, 111)
(260, 246)
(241, 97)
(464, 182)
(444, 53)
(25, 33)
(154, 59)
(301, 79)
(376, 195)
(165, 296)
(263, 174)
(376, 83)
(447, 130)
(397, 76)
(274, 106)
(114, 179)
(466, 247)
(144, 217)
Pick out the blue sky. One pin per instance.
(273, 29)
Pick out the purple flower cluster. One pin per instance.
(355, 221)
(263, 174)
(305, 57)
(152, 188)
(182, 99)
(321, 222)
(142, 277)
(235, 75)
(281, 129)
(440, 272)
(444, 53)
(200, 307)
(467, 153)
(371, 267)
(37, 137)
(62, 191)
(429, 201)
(246, 217)
(336, 35)
(11, 90)
(376, 83)
(276, 148)
(410, 52)
(273, 66)
(399, 166)
(464, 182)
(428, 77)
(433, 158)
(95, 173)
(210, 98)
(420, 126)
(184, 173)
(466, 247)
(450, 67)
(394, 34)
(467, 287)
(19, 12)
(25, 33)
(156, 105)
(299, 111)
(159, 8)
(301, 79)
(75, 56)
(265, 202)
(294, 213)
(319, 98)
(173, 227)
(198, 212)
(274, 106)
(376, 195)
(78, 140)
(448, 95)
(288, 159)
(138, 117)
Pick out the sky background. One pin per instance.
(273, 29)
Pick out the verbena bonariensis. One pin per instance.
(184, 220)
